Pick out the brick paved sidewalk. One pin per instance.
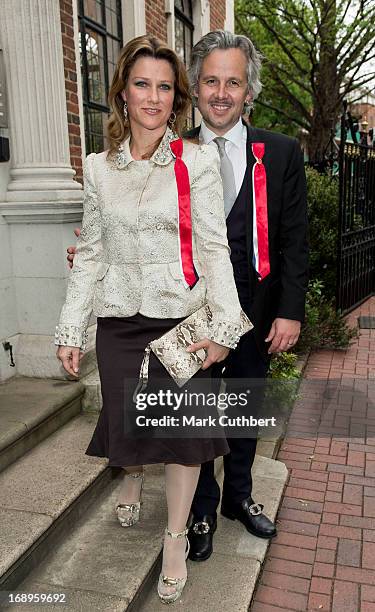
(324, 555)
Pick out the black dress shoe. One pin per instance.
(200, 537)
(251, 516)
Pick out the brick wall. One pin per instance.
(70, 71)
(217, 14)
(156, 20)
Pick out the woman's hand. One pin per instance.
(215, 352)
(70, 357)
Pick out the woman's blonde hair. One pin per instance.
(144, 46)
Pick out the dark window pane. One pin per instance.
(111, 17)
(93, 10)
(179, 38)
(188, 44)
(113, 51)
(95, 65)
(94, 131)
(186, 7)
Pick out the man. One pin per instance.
(269, 253)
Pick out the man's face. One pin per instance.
(222, 89)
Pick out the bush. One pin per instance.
(323, 211)
(324, 326)
(283, 366)
(282, 392)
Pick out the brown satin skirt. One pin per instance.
(120, 343)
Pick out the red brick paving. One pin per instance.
(324, 555)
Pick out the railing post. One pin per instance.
(343, 133)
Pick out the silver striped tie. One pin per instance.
(227, 175)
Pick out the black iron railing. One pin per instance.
(356, 230)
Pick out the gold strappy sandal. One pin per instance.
(177, 583)
(128, 514)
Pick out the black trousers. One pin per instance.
(244, 362)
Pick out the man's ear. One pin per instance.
(194, 96)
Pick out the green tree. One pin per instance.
(316, 53)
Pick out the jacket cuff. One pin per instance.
(224, 333)
(71, 335)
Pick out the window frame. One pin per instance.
(86, 23)
(187, 21)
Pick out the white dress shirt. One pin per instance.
(235, 148)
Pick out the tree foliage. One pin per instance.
(316, 52)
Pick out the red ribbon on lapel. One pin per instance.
(184, 215)
(260, 203)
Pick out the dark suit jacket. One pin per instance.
(282, 293)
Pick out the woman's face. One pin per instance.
(149, 93)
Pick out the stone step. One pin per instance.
(103, 567)
(31, 409)
(43, 494)
(227, 580)
(92, 398)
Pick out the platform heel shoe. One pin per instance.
(128, 514)
(177, 583)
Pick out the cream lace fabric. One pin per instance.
(127, 257)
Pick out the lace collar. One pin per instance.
(162, 156)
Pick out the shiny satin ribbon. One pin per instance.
(260, 203)
(185, 234)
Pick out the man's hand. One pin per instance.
(284, 334)
(215, 352)
(72, 249)
(70, 357)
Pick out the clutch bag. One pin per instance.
(171, 347)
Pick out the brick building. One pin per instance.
(56, 62)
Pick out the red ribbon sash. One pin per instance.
(184, 215)
(260, 203)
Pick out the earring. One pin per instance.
(126, 110)
(172, 120)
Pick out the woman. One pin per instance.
(130, 270)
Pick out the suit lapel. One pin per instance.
(192, 135)
(250, 161)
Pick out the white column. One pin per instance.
(40, 161)
(42, 203)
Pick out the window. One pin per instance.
(184, 28)
(100, 44)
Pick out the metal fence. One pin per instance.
(356, 231)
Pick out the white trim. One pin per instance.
(169, 13)
(229, 16)
(133, 19)
(69, 211)
(201, 19)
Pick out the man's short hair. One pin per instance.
(221, 39)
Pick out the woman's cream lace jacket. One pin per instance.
(127, 258)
